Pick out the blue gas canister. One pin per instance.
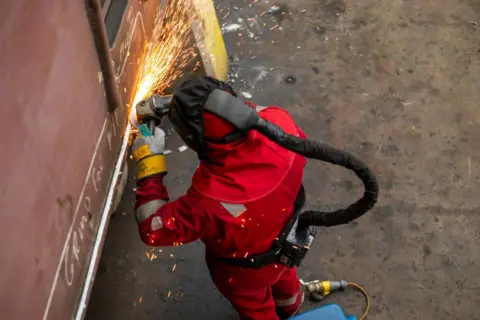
(326, 312)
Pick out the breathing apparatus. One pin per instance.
(185, 109)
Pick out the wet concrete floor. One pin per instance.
(394, 82)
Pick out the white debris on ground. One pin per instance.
(246, 95)
(254, 23)
(182, 148)
(232, 27)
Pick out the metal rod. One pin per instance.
(101, 42)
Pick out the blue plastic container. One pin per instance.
(326, 312)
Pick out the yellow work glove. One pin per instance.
(148, 150)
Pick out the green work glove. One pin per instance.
(148, 150)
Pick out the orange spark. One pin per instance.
(170, 52)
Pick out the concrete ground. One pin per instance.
(395, 82)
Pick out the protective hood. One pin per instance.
(248, 169)
(195, 126)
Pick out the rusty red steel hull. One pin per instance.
(60, 147)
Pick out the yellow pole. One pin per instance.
(209, 39)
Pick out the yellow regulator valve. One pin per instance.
(319, 289)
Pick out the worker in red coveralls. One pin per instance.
(241, 197)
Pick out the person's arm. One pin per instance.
(162, 223)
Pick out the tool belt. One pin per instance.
(257, 261)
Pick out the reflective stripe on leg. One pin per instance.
(148, 209)
(286, 302)
(299, 305)
(286, 312)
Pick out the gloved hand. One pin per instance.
(148, 150)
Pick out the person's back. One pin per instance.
(254, 184)
(240, 200)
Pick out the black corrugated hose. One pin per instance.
(316, 150)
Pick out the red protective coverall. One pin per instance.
(237, 209)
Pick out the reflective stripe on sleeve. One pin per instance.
(156, 223)
(148, 209)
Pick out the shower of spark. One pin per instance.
(171, 50)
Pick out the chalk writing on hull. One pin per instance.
(88, 211)
(86, 216)
(90, 204)
(126, 44)
(77, 205)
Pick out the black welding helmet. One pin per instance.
(188, 112)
